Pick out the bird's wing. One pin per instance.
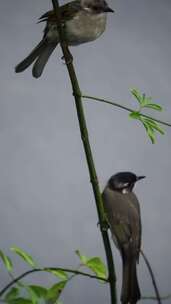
(117, 215)
(67, 12)
(135, 202)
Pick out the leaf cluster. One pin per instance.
(24, 293)
(150, 125)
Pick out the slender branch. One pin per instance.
(75, 272)
(154, 298)
(87, 148)
(125, 108)
(19, 283)
(158, 298)
(73, 275)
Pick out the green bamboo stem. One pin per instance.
(124, 108)
(88, 153)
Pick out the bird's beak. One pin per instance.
(108, 10)
(140, 177)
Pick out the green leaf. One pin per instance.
(154, 125)
(7, 261)
(39, 291)
(20, 301)
(32, 295)
(140, 98)
(54, 302)
(82, 258)
(154, 106)
(150, 132)
(146, 100)
(54, 292)
(159, 129)
(59, 273)
(97, 266)
(25, 256)
(135, 115)
(13, 293)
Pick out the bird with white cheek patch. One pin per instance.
(123, 214)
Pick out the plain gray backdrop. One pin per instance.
(47, 205)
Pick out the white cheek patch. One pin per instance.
(124, 191)
(87, 9)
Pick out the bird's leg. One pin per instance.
(69, 57)
(105, 225)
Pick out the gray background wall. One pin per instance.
(47, 205)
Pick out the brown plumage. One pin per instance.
(84, 21)
(67, 12)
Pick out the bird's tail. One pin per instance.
(41, 54)
(130, 288)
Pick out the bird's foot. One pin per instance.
(68, 59)
(104, 226)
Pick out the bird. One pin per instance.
(122, 211)
(83, 20)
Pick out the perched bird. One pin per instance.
(84, 20)
(123, 214)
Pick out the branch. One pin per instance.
(75, 272)
(87, 149)
(154, 298)
(158, 298)
(125, 108)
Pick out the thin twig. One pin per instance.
(88, 153)
(158, 298)
(75, 272)
(125, 108)
(154, 298)
(19, 283)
